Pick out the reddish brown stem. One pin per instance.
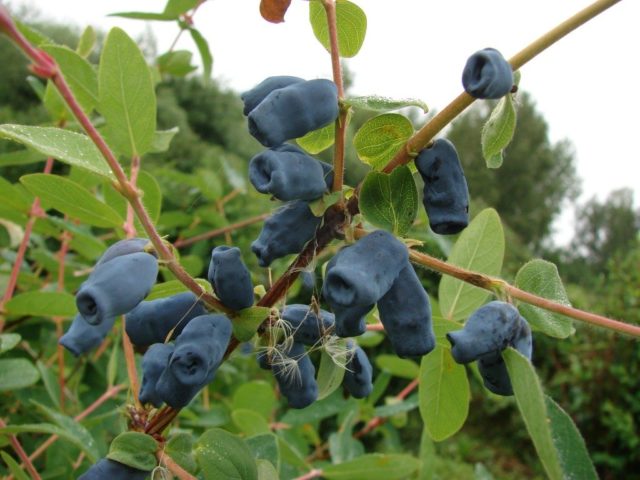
(17, 447)
(219, 231)
(315, 473)
(173, 467)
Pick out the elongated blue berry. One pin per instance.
(151, 321)
(107, 469)
(253, 97)
(154, 361)
(123, 247)
(495, 375)
(230, 277)
(198, 352)
(487, 74)
(307, 327)
(293, 111)
(358, 375)
(351, 321)
(286, 231)
(446, 195)
(362, 273)
(288, 173)
(297, 382)
(82, 336)
(405, 312)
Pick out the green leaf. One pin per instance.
(265, 447)
(176, 62)
(380, 138)
(15, 468)
(134, 449)
(127, 96)
(8, 341)
(395, 406)
(74, 430)
(166, 289)
(374, 466)
(266, 470)
(318, 140)
(399, 367)
(342, 446)
(572, 450)
(162, 17)
(479, 248)
(257, 396)
(205, 53)
(13, 197)
(444, 393)
(330, 374)
(542, 278)
(317, 411)
(249, 422)
(50, 381)
(68, 197)
(68, 147)
(79, 74)
(42, 304)
(151, 197)
(498, 131)
(162, 140)
(20, 157)
(428, 456)
(223, 455)
(385, 104)
(351, 23)
(17, 373)
(247, 321)
(178, 7)
(390, 201)
(87, 42)
(179, 448)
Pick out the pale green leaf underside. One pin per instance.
(380, 138)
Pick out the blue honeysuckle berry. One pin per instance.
(446, 195)
(123, 247)
(358, 375)
(154, 361)
(362, 273)
(298, 385)
(489, 330)
(230, 277)
(287, 173)
(293, 111)
(351, 321)
(107, 469)
(253, 97)
(405, 312)
(306, 326)
(487, 74)
(198, 352)
(286, 231)
(82, 336)
(116, 287)
(495, 376)
(151, 321)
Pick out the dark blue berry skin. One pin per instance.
(351, 321)
(106, 469)
(308, 280)
(253, 97)
(495, 375)
(293, 111)
(116, 287)
(286, 231)
(199, 349)
(82, 337)
(446, 195)
(288, 173)
(358, 376)
(362, 273)
(300, 389)
(405, 312)
(488, 331)
(306, 326)
(123, 247)
(154, 361)
(263, 360)
(150, 322)
(230, 278)
(487, 75)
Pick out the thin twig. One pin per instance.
(173, 467)
(219, 231)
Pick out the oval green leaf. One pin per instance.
(257, 396)
(351, 23)
(8, 341)
(247, 321)
(390, 201)
(444, 393)
(330, 374)
(398, 367)
(134, 449)
(72, 199)
(480, 248)
(17, 373)
(380, 138)
(179, 448)
(374, 466)
(318, 140)
(385, 104)
(205, 52)
(250, 422)
(126, 94)
(42, 304)
(498, 131)
(223, 455)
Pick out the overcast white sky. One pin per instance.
(585, 85)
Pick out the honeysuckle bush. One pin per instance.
(62, 414)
